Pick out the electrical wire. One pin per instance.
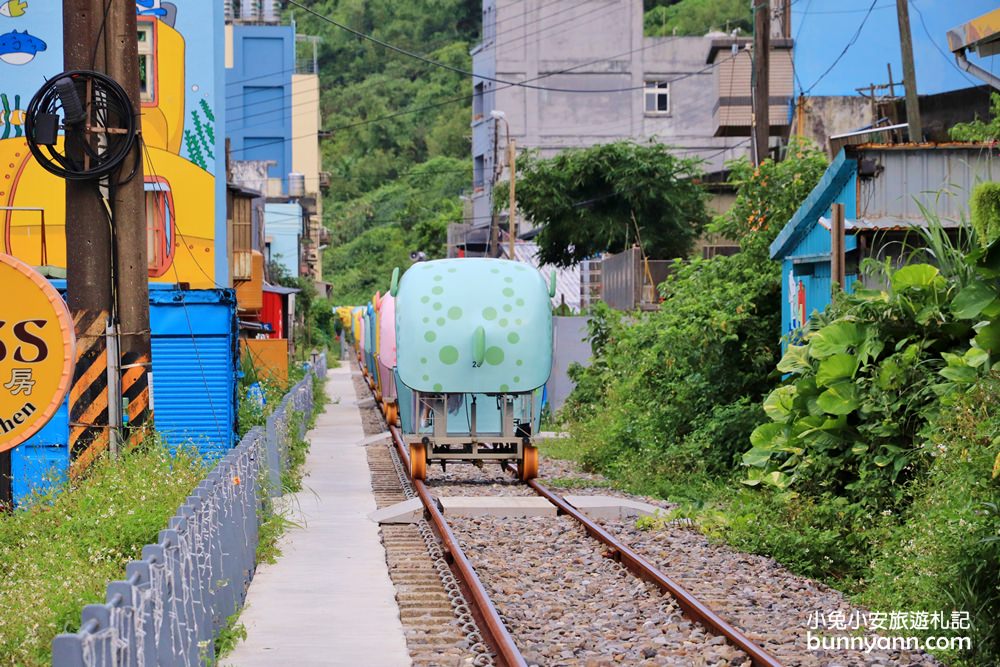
(187, 315)
(951, 61)
(850, 43)
(454, 100)
(458, 70)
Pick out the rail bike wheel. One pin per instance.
(393, 417)
(418, 461)
(527, 467)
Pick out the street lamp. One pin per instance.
(511, 163)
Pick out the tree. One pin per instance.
(608, 197)
(698, 17)
(769, 195)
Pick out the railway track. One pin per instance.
(425, 602)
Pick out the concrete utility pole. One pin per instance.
(909, 72)
(761, 129)
(129, 208)
(88, 256)
(100, 267)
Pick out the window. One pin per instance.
(657, 97)
(478, 173)
(477, 101)
(147, 65)
(159, 226)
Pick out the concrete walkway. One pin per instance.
(328, 600)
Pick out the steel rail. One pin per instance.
(643, 569)
(495, 632)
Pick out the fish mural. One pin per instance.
(13, 8)
(19, 48)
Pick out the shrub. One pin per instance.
(675, 391)
(946, 553)
(860, 390)
(985, 209)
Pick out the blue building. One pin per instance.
(260, 62)
(882, 188)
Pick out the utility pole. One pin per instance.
(88, 257)
(129, 211)
(909, 72)
(107, 274)
(512, 163)
(761, 78)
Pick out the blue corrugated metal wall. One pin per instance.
(194, 367)
(806, 266)
(195, 361)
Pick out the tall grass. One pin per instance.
(58, 553)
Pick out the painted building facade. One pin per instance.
(183, 121)
(260, 61)
(882, 188)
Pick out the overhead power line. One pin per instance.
(452, 68)
(854, 38)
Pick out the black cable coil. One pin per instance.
(97, 119)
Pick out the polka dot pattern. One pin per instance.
(448, 301)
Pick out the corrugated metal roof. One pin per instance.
(939, 179)
(888, 224)
(567, 279)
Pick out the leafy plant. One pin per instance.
(860, 389)
(661, 394)
(985, 209)
(58, 553)
(979, 130)
(768, 195)
(609, 197)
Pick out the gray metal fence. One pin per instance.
(173, 603)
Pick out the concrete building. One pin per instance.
(603, 81)
(260, 60)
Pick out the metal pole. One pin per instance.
(129, 208)
(6, 482)
(88, 258)
(512, 160)
(114, 391)
(909, 72)
(761, 72)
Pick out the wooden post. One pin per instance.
(909, 72)
(837, 264)
(761, 78)
(512, 161)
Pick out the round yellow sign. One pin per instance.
(37, 352)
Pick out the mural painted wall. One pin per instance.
(183, 115)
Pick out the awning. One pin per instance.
(280, 289)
